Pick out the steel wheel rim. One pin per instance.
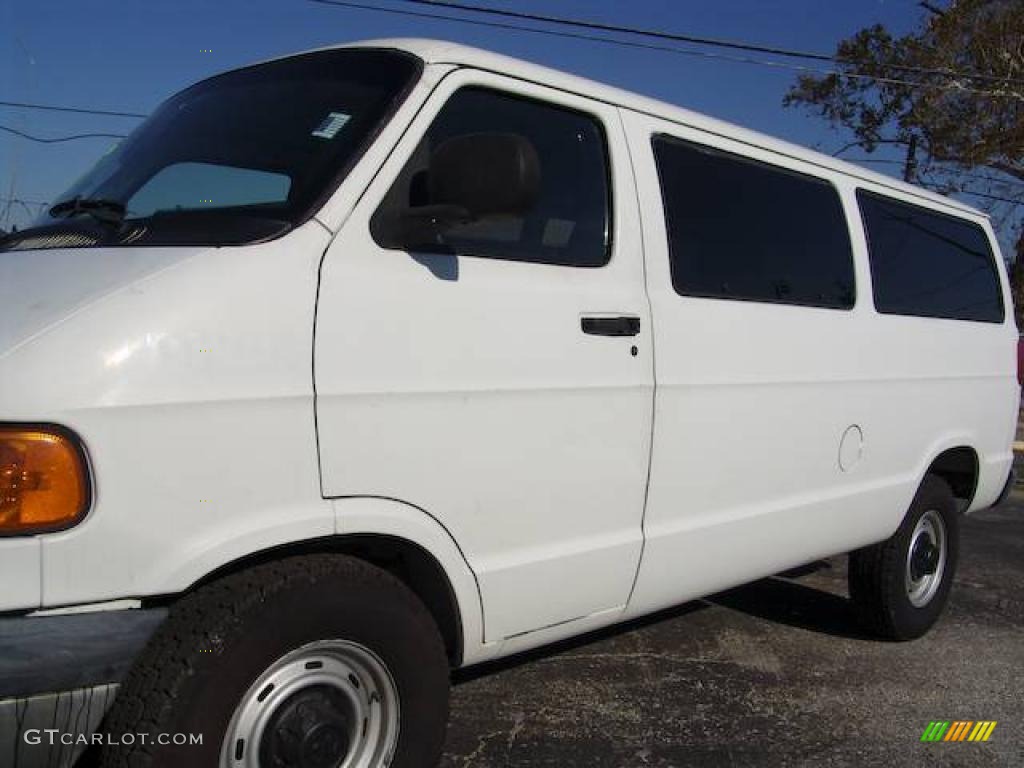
(929, 531)
(349, 676)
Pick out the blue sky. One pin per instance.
(129, 55)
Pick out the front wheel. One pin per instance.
(311, 662)
(900, 586)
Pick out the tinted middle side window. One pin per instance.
(741, 229)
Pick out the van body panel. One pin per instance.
(464, 384)
(188, 380)
(20, 565)
(753, 401)
(356, 516)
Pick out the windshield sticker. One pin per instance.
(331, 125)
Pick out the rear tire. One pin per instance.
(900, 586)
(290, 663)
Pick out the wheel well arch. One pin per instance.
(407, 561)
(960, 468)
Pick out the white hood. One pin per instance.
(42, 288)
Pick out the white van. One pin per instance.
(353, 367)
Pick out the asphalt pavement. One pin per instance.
(776, 673)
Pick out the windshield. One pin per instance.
(241, 157)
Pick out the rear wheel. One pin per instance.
(899, 587)
(312, 662)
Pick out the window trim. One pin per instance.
(692, 294)
(862, 193)
(610, 209)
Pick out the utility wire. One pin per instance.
(728, 44)
(945, 190)
(12, 201)
(654, 47)
(736, 45)
(596, 26)
(985, 195)
(59, 139)
(966, 174)
(76, 110)
(22, 201)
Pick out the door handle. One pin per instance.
(610, 326)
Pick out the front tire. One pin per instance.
(900, 586)
(311, 661)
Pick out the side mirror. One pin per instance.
(487, 174)
(469, 178)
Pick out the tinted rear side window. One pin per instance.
(740, 229)
(927, 264)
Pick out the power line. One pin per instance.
(76, 110)
(707, 41)
(961, 174)
(674, 37)
(984, 195)
(653, 47)
(22, 200)
(940, 188)
(879, 160)
(12, 201)
(59, 139)
(5, 214)
(737, 45)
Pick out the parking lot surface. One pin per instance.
(773, 673)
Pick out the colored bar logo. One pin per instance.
(958, 730)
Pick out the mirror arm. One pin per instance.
(422, 226)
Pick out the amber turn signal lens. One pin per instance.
(43, 481)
